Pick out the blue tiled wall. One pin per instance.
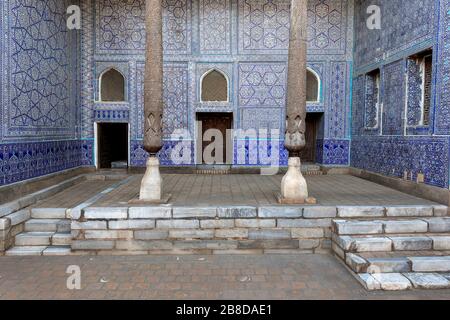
(394, 147)
(245, 39)
(39, 90)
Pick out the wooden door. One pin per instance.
(309, 152)
(218, 121)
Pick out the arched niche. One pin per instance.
(112, 86)
(312, 86)
(214, 86)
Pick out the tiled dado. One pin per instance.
(21, 161)
(333, 152)
(393, 156)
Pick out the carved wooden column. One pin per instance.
(151, 186)
(293, 186)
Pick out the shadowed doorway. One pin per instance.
(313, 123)
(112, 145)
(221, 122)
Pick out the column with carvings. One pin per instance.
(151, 185)
(293, 185)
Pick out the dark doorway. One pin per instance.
(112, 145)
(313, 121)
(223, 122)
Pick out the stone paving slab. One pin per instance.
(241, 277)
(74, 195)
(258, 190)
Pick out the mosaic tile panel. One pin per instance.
(393, 156)
(120, 25)
(39, 91)
(338, 109)
(260, 153)
(327, 21)
(139, 156)
(442, 112)
(262, 118)
(262, 85)
(112, 115)
(333, 152)
(177, 30)
(21, 161)
(404, 24)
(264, 26)
(175, 99)
(215, 24)
(393, 98)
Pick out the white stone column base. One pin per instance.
(293, 185)
(151, 185)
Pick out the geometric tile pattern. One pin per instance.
(358, 106)
(139, 156)
(394, 150)
(442, 112)
(120, 25)
(177, 31)
(393, 156)
(39, 101)
(215, 26)
(333, 152)
(175, 99)
(262, 85)
(21, 161)
(326, 26)
(415, 16)
(339, 106)
(264, 25)
(393, 98)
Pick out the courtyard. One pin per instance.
(279, 277)
(224, 149)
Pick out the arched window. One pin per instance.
(214, 86)
(112, 86)
(312, 86)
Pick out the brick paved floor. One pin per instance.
(247, 189)
(189, 277)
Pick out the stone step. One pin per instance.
(378, 227)
(404, 281)
(34, 239)
(48, 213)
(397, 264)
(61, 239)
(26, 251)
(47, 225)
(370, 212)
(57, 251)
(41, 225)
(63, 226)
(387, 243)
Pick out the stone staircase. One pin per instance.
(46, 233)
(397, 248)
